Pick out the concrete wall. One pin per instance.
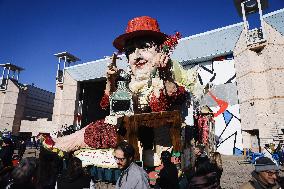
(260, 79)
(66, 101)
(64, 109)
(38, 126)
(20, 101)
(12, 103)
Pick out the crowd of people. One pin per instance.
(45, 172)
(50, 171)
(204, 172)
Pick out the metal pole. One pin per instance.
(246, 25)
(63, 72)
(65, 60)
(8, 73)
(244, 17)
(261, 18)
(3, 73)
(58, 68)
(18, 75)
(58, 65)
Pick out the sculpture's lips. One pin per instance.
(140, 64)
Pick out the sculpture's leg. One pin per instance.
(71, 142)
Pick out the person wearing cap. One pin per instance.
(264, 176)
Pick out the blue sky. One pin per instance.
(31, 31)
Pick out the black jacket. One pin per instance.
(168, 177)
(208, 181)
(6, 154)
(79, 182)
(204, 175)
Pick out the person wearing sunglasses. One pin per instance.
(132, 175)
(264, 176)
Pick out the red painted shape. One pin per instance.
(221, 103)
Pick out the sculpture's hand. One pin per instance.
(171, 87)
(162, 61)
(111, 75)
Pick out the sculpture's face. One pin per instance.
(141, 57)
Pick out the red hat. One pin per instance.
(139, 26)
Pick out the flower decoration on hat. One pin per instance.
(171, 42)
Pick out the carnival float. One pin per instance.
(146, 105)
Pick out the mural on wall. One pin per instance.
(223, 101)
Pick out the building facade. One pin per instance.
(21, 102)
(38, 104)
(259, 76)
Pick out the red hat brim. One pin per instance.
(119, 42)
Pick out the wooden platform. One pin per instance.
(154, 120)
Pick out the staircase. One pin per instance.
(277, 134)
(273, 135)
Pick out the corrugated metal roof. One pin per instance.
(205, 46)
(276, 20)
(95, 69)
